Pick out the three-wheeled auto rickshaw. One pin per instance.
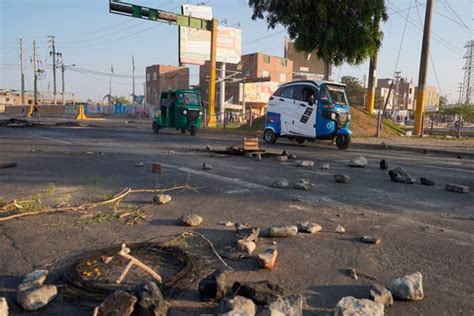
(309, 110)
(180, 109)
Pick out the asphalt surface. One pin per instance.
(423, 228)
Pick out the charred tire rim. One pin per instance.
(343, 141)
(269, 136)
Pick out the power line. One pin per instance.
(263, 37)
(403, 38)
(457, 16)
(67, 42)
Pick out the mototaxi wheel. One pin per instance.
(343, 141)
(269, 136)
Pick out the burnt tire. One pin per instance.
(269, 136)
(343, 141)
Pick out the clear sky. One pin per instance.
(92, 38)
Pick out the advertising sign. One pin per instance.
(258, 92)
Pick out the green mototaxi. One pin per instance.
(180, 109)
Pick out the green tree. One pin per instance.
(443, 101)
(121, 100)
(467, 112)
(355, 91)
(338, 30)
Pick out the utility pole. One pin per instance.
(35, 82)
(53, 54)
(22, 78)
(397, 90)
(133, 80)
(62, 86)
(212, 79)
(425, 53)
(370, 104)
(222, 91)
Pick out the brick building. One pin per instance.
(403, 99)
(161, 78)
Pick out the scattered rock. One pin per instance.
(409, 287)
(207, 166)
(33, 279)
(383, 164)
(426, 181)
(310, 228)
(226, 224)
(246, 246)
(351, 306)
(208, 148)
(282, 158)
(292, 156)
(261, 292)
(325, 166)
(161, 199)
(190, 220)
(283, 231)
(239, 305)
(340, 229)
(150, 300)
(139, 164)
(258, 157)
(89, 153)
(3, 306)
(302, 185)
(212, 288)
(304, 163)
(353, 273)
(379, 294)
(370, 239)
(342, 178)
(36, 297)
(289, 306)
(359, 162)
(280, 184)
(156, 168)
(267, 258)
(457, 188)
(285, 153)
(247, 233)
(401, 176)
(118, 303)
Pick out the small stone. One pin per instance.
(118, 303)
(340, 229)
(161, 199)
(212, 288)
(208, 148)
(280, 184)
(247, 233)
(150, 300)
(401, 176)
(156, 168)
(342, 178)
(283, 231)
(89, 153)
(258, 157)
(36, 297)
(261, 292)
(226, 224)
(370, 239)
(379, 294)
(246, 246)
(107, 259)
(282, 158)
(426, 181)
(3, 306)
(304, 163)
(457, 188)
(239, 305)
(351, 306)
(139, 164)
(302, 186)
(289, 306)
(325, 166)
(409, 287)
(292, 156)
(267, 258)
(190, 220)
(207, 166)
(309, 227)
(33, 279)
(383, 164)
(353, 273)
(359, 162)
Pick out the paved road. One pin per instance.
(423, 228)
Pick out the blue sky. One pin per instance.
(92, 38)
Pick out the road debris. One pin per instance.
(409, 287)
(238, 305)
(150, 300)
(340, 229)
(17, 122)
(309, 227)
(342, 178)
(267, 258)
(426, 181)
(349, 306)
(325, 166)
(401, 176)
(291, 306)
(32, 294)
(280, 231)
(139, 164)
(125, 252)
(226, 224)
(243, 232)
(107, 259)
(89, 153)
(260, 292)
(246, 246)
(190, 220)
(280, 184)
(207, 166)
(161, 199)
(3, 306)
(304, 163)
(258, 157)
(282, 158)
(209, 148)
(359, 162)
(35, 278)
(380, 294)
(457, 188)
(383, 164)
(8, 165)
(118, 303)
(156, 168)
(293, 156)
(285, 153)
(303, 184)
(213, 287)
(353, 273)
(370, 239)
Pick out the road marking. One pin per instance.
(57, 140)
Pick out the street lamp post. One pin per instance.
(62, 79)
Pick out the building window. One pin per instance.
(266, 59)
(265, 74)
(284, 62)
(147, 76)
(155, 75)
(282, 77)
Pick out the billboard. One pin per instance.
(195, 45)
(258, 92)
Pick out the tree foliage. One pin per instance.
(467, 112)
(354, 90)
(121, 100)
(338, 30)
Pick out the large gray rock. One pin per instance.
(36, 297)
(246, 246)
(351, 306)
(304, 163)
(150, 300)
(190, 220)
(401, 176)
(342, 178)
(303, 184)
(239, 305)
(267, 258)
(33, 279)
(284, 231)
(246, 233)
(212, 288)
(3, 306)
(261, 292)
(359, 162)
(280, 183)
(289, 306)
(118, 303)
(309, 227)
(409, 287)
(379, 294)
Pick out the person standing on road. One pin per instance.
(36, 111)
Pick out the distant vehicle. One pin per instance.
(308, 110)
(180, 109)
